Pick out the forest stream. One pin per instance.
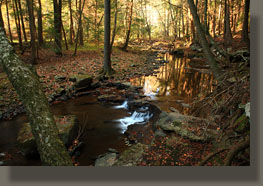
(173, 85)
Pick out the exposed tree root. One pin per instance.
(211, 155)
(235, 150)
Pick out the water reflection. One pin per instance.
(176, 83)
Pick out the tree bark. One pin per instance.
(115, 25)
(71, 29)
(210, 57)
(125, 46)
(32, 31)
(245, 37)
(57, 4)
(39, 24)
(1, 18)
(22, 20)
(51, 149)
(107, 70)
(227, 28)
(81, 41)
(18, 26)
(8, 21)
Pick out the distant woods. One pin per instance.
(69, 24)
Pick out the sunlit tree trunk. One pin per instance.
(22, 20)
(39, 24)
(219, 17)
(125, 46)
(17, 22)
(8, 21)
(71, 29)
(65, 37)
(210, 57)
(32, 31)
(2, 25)
(81, 41)
(51, 149)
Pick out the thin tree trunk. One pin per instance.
(205, 18)
(210, 57)
(227, 29)
(115, 25)
(22, 20)
(129, 28)
(245, 37)
(219, 17)
(39, 23)
(32, 30)
(51, 149)
(71, 29)
(107, 70)
(65, 37)
(81, 42)
(8, 21)
(18, 28)
(77, 37)
(57, 26)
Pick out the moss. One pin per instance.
(241, 123)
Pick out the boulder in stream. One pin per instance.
(81, 80)
(106, 160)
(66, 125)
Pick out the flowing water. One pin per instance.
(172, 85)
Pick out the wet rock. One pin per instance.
(160, 133)
(66, 125)
(131, 156)
(185, 105)
(110, 98)
(173, 109)
(109, 159)
(112, 150)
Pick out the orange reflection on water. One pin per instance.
(176, 82)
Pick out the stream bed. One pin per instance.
(173, 84)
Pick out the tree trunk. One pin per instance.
(51, 149)
(22, 20)
(115, 25)
(107, 70)
(227, 29)
(71, 29)
(219, 17)
(125, 46)
(57, 26)
(65, 37)
(78, 31)
(2, 25)
(81, 42)
(245, 37)
(32, 30)
(205, 18)
(8, 22)
(17, 22)
(39, 24)
(210, 57)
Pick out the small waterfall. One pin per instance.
(136, 117)
(124, 105)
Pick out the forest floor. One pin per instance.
(224, 103)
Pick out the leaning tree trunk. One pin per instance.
(51, 149)
(115, 25)
(22, 20)
(32, 31)
(210, 57)
(129, 28)
(18, 27)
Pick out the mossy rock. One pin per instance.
(67, 127)
(241, 123)
(131, 156)
(82, 80)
